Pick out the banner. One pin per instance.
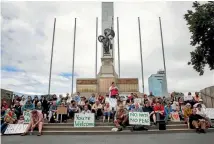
(139, 118)
(27, 116)
(175, 116)
(84, 120)
(16, 128)
(188, 97)
(210, 112)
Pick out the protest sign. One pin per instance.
(188, 97)
(112, 102)
(175, 116)
(210, 112)
(27, 116)
(84, 120)
(138, 100)
(16, 128)
(62, 110)
(139, 118)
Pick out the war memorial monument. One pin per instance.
(107, 73)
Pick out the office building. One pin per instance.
(157, 84)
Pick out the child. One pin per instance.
(107, 111)
(21, 120)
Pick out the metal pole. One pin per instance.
(49, 85)
(141, 54)
(164, 63)
(72, 85)
(96, 47)
(118, 44)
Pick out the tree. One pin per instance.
(201, 25)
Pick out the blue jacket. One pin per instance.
(28, 106)
(167, 110)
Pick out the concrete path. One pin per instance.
(180, 138)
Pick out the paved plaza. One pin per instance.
(188, 138)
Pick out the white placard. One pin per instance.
(27, 116)
(138, 100)
(112, 102)
(139, 118)
(16, 128)
(188, 97)
(210, 112)
(84, 120)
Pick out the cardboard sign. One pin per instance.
(139, 118)
(62, 110)
(16, 128)
(84, 120)
(188, 97)
(175, 116)
(27, 116)
(210, 112)
(112, 102)
(138, 100)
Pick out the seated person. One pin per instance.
(159, 111)
(201, 103)
(37, 121)
(17, 108)
(39, 106)
(131, 105)
(200, 111)
(52, 111)
(148, 108)
(81, 103)
(167, 111)
(187, 112)
(97, 109)
(121, 118)
(92, 99)
(85, 110)
(28, 105)
(72, 109)
(196, 121)
(63, 117)
(107, 111)
(9, 118)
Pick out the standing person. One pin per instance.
(36, 121)
(113, 90)
(45, 104)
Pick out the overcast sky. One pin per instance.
(27, 29)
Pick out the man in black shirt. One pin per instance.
(198, 122)
(148, 108)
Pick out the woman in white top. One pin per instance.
(200, 111)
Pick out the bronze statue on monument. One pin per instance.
(106, 40)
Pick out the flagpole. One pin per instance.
(164, 63)
(72, 84)
(118, 44)
(141, 54)
(96, 47)
(49, 84)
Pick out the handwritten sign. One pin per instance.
(112, 102)
(210, 113)
(175, 116)
(27, 116)
(138, 100)
(62, 110)
(16, 128)
(84, 120)
(188, 97)
(139, 118)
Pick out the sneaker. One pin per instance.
(197, 130)
(202, 131)
(39, 134)
(23, 134)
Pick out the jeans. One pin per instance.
(3, 127)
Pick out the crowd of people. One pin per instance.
(159, 109)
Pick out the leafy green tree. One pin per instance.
(201, 25)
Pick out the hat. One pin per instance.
(188, 104)
(200, 100)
